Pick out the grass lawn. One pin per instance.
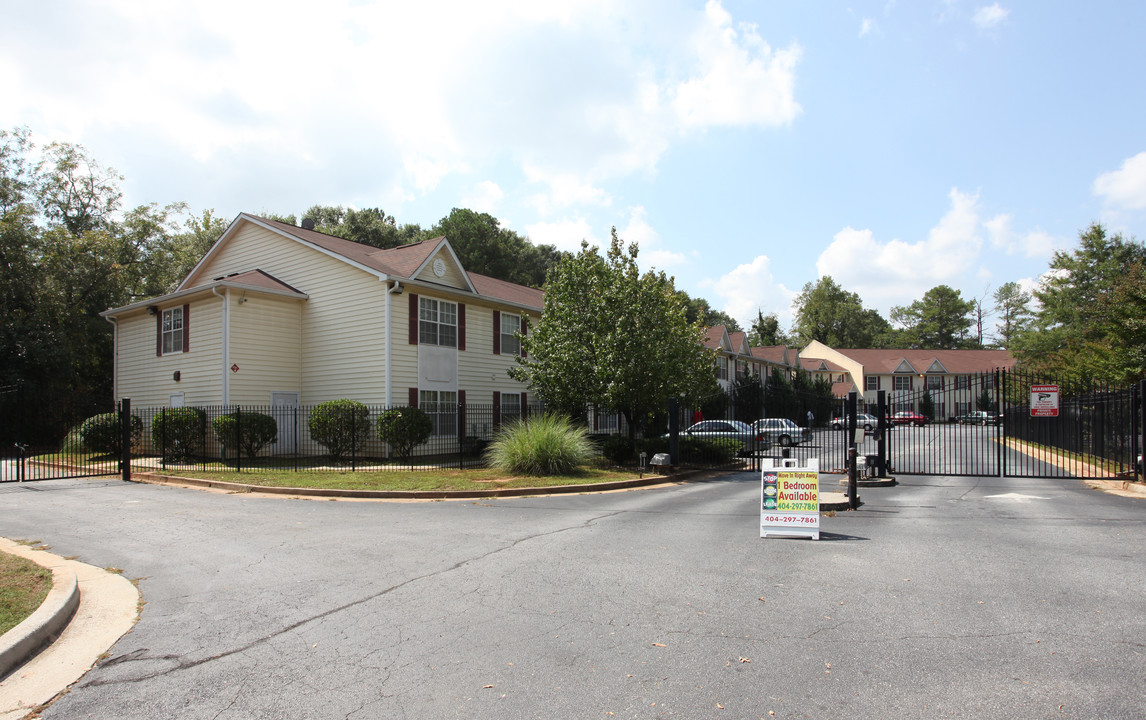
(23, 586)
(405, 480)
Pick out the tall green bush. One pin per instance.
(248, 432)
(544, 444)
(102, 433)
(342, 426)
(405, 428)
(180, 433)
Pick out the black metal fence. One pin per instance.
(1095, 430)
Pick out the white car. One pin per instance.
(782, 431)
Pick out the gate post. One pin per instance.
(1142, 429)
(881, 408)
(125, 439)
(853, 484)
(1001, 431)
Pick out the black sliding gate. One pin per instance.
(983, 425)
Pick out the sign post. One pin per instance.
(790, 498)
(1044, 400)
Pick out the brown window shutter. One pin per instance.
(461, 326)
(159, 333)
(412, 398)
(497, 332)
(413, 319)
(186, 328)
(524, 405)
(524, 327)
(496, 408)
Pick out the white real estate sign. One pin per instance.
(790, 498)
(1044, 400)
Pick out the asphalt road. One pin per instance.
(960, 597)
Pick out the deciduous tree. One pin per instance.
(614, 338)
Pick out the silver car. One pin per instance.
(782, 431)
(742, 432)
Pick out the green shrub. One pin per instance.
(102, 433)
(342, 426)
(541, 445)
(248, 432)
(404, 428)
(618, 448)
(179, 432)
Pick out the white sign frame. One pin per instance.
(1044, 400)
(787, 490)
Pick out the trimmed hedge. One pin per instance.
(403, 429)
(102, 433)
(179, 433)
(248, 432)
(342, 426)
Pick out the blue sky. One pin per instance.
(748, 147)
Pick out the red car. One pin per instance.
(909, 418)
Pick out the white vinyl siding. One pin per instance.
(343, 348)
(149, 380)
(266, 347)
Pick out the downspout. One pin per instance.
(396, 287)
(226, 344)
(114, 358)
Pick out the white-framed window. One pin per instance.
(871, 382)
(510, 324)
(510, 407)
(722, 368)
(173, 330)
(437, 322)
(962, 382)
(442, 407)
(934, 382)
(902, 382)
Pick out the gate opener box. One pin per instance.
(790, 498)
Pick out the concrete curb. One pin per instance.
(39, 629)
(157, 479)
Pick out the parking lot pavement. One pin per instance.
(946, 595)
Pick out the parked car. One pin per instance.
(907, 417)
(978, 417)
(863, 420)
(782, 431)
(750, 440)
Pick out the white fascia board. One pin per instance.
(200, 289)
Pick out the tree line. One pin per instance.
(1084, 321)
(69, 250)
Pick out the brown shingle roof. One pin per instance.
(403, 261)
(954, 361)
(771, 353)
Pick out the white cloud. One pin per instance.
(990, 16)
(652, 255)
(866, 26)
(483, 197)
(751, 287)
(564, 190)
(564, 234)
(741, 80)
(1124, 188)
(897, 272)
(1033, 244)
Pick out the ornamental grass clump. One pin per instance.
(540, 445)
